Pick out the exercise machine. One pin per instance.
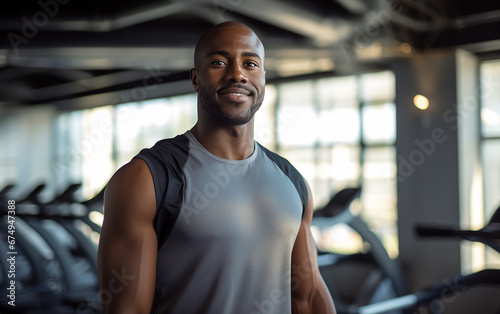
(56, 256)
(373, 275)
(489, 235)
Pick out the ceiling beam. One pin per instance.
(126, 96)
(323, 30)
(133, 17)
(87, 85)
(103, 58)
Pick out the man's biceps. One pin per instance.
(129, 217)
(125, 237)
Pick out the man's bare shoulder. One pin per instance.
(135, 167)
(131, 190)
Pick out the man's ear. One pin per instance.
(194, 78)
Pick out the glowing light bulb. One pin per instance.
(421, 102)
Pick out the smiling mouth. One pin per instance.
(235, 97)
(235, 91)
(235, 94)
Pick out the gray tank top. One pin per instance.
(225, 229)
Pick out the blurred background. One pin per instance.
(399, 97)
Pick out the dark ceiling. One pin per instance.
(80, 54)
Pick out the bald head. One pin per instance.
(229, 75)
(231, 28)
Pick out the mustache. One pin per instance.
(241, 86)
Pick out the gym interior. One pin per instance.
(389, 108)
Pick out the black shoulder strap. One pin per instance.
(166, 160)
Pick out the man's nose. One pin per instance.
(236, 73)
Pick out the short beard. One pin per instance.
(224, 119)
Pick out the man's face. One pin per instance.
(229, 75)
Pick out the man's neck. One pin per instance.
(234, 142)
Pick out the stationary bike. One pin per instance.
(359, 279)
(489, 235)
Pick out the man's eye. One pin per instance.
(218, 63)
(252, 64)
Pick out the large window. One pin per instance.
(490, 150)
(141, 125)
(91, 144)
(340, 132)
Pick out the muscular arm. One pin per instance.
(309, 292)
(127, 246)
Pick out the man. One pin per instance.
(210, 221)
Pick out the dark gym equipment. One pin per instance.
(489, 235)
(382, 277)
(56, 260)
